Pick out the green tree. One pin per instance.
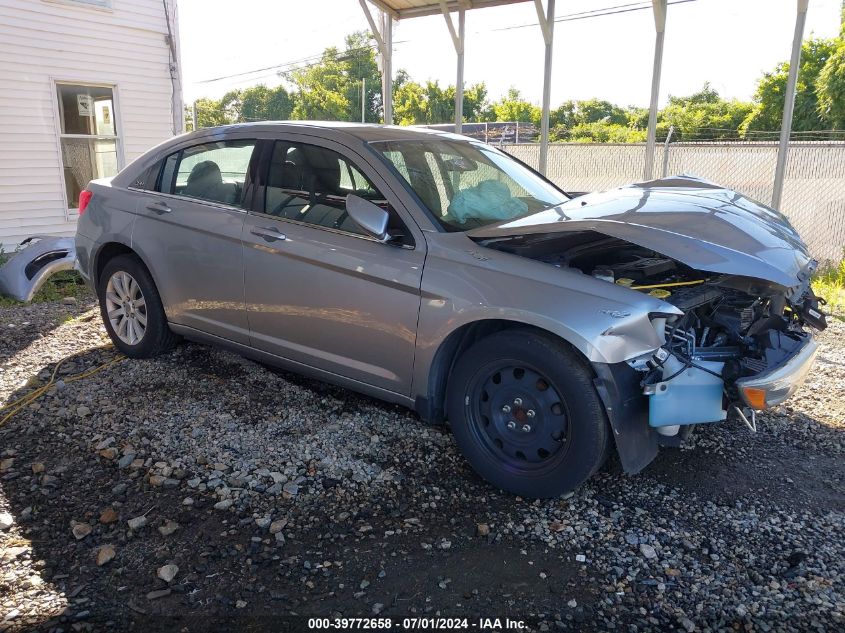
(563, 116)
(440, 103)
(331, 88)
(769, 97)
(361, 66)
(210, 112)
(513, 107)
(409, 101)
(415, 104)
(703, 115)
(322, 89)
(261, 103)
(597, 132)
(476, 106)
(831, 84)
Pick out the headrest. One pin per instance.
(205, 171)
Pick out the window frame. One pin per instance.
(259, 192)
(71, 214)
(153, 185)
(96, 5)
(436, 224)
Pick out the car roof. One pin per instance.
(366, 132)
(350, 133)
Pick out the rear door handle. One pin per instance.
(159, 207)
(268, 233)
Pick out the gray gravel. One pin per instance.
(219, 484)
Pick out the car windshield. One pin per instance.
(465, 184)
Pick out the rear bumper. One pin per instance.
(776, 385)
(28, 269)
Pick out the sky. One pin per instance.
(729, 43)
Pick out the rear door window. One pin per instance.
(212, 171)
(309, 184)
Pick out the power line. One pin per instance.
(596, 13)
(312, 60)
(305, 62)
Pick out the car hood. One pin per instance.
(695, 222)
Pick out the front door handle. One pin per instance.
(159, 207)
(268, 233)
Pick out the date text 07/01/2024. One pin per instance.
(414, 623)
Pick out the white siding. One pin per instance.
(42, 41)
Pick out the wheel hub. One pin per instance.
(126, 308)
(520, 416)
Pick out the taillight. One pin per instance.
(84, 198)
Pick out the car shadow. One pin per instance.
(23, 324)
(727, 463)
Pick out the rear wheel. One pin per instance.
(131, 309)
(526, 415)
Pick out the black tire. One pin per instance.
(567, 438)
(157, 337)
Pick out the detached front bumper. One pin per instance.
(28, 269)
(776, 385)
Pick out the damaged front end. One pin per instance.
(741, 345)
(29, 268)
(734, 344)
(734, 277)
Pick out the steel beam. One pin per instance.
(789, 103)
(383, 34)
(659, 7)
(547, 25)
(458, 42)
(459, 81)
(387, 73)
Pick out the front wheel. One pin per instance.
(526, 415)
(131, 309)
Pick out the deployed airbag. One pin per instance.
(488, 200)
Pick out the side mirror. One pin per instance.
(370, 217)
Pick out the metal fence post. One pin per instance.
(666, 151)
(659, 7)
(789, 103)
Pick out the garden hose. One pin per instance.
(15, 407)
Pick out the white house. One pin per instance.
(85, 87)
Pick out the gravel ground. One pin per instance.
(201, 490)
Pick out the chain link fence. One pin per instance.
(497, 133)
(813, 192)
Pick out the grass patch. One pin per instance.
(66, 283)
(829, 283)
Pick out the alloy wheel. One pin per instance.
(126, 308)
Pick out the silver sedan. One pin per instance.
(439, 273)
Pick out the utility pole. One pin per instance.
(789, 102)
(363, 98)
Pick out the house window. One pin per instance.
(104, 4)
(88, 135)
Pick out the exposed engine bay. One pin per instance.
(733, 328)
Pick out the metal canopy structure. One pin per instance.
(382, 29)
(394, 10)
